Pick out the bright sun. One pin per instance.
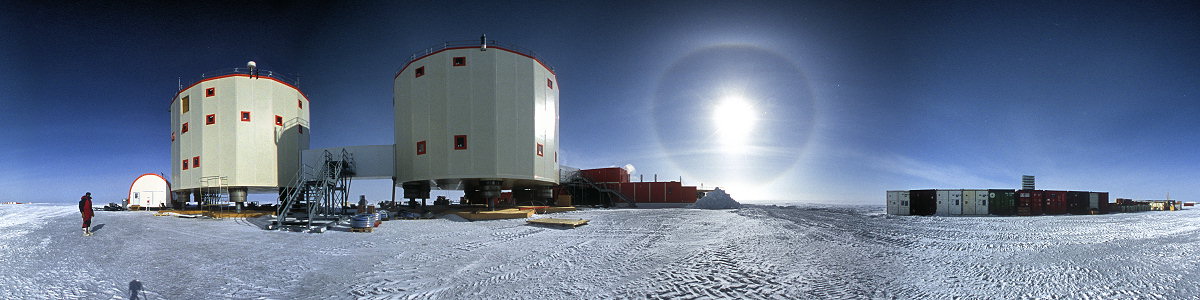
(734, 119)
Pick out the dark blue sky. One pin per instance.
(823, 101)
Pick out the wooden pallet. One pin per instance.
(368, 229)
(559, 222)
(511, 213)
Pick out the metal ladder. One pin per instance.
(315, 199)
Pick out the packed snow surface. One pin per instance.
(716, 199)
(757, 252)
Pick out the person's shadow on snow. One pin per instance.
(97, 228)
(135, 287)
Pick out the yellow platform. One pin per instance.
(511, 213)
(547, 209)
(559, 222)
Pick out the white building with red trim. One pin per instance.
(150, 190)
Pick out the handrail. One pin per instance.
(471, 43)
(292, 79)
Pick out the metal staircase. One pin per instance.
(316, 199)
(579, 180)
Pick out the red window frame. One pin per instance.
(185, 164)
(245, 116)
(278, 120)
(550, 83)
(460, 146)
(540, 150)
(184, 129)
(459, 61)
(421, 147)
(210, 92)
(210, 119)
(299, 103)
(195, 162)
(420, 71)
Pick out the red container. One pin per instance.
(688, 195)
(1031, 201)
(1055, 202)
(671, 191)
(643, 191)
(606, 175)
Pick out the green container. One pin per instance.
(1002, 202)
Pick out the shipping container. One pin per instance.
(904, 208)
(893, 202)
(956, 204)
(1077, 202)
(1029, 202)
(688, 195)
(1002, 202)
(1104, 201)
(1054, 203)
(981, 202)
(943, 202)
(968, 200)
(922, 202)
(606, 175)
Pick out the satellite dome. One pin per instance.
(251, 65)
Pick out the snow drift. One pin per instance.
(717, 199)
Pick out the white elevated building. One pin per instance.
(478, 117)
(237, 132)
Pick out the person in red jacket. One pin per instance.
(85, 208)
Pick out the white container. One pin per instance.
(903, 204)
(968, 200)
(466, 114)
(955, 202)
(893, 204)
(981, 202)
(943, 202)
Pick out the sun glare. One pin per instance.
(734, 119)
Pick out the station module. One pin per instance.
(237, 132)
(478, 117)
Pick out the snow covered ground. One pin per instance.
(756, 252)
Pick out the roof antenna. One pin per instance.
(253, 69)
(483, 42)
(179, 83)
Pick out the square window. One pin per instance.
(460, 61)
(299, 104)
(245, 116)
(210, 119)
(278, 120)
(196, 162)
(419, 72)
(460, 142)
(420, 147)
(184, 129)
(549, 83)
(187, 104)
(539, 150)
(185, 164)
(209, 92)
